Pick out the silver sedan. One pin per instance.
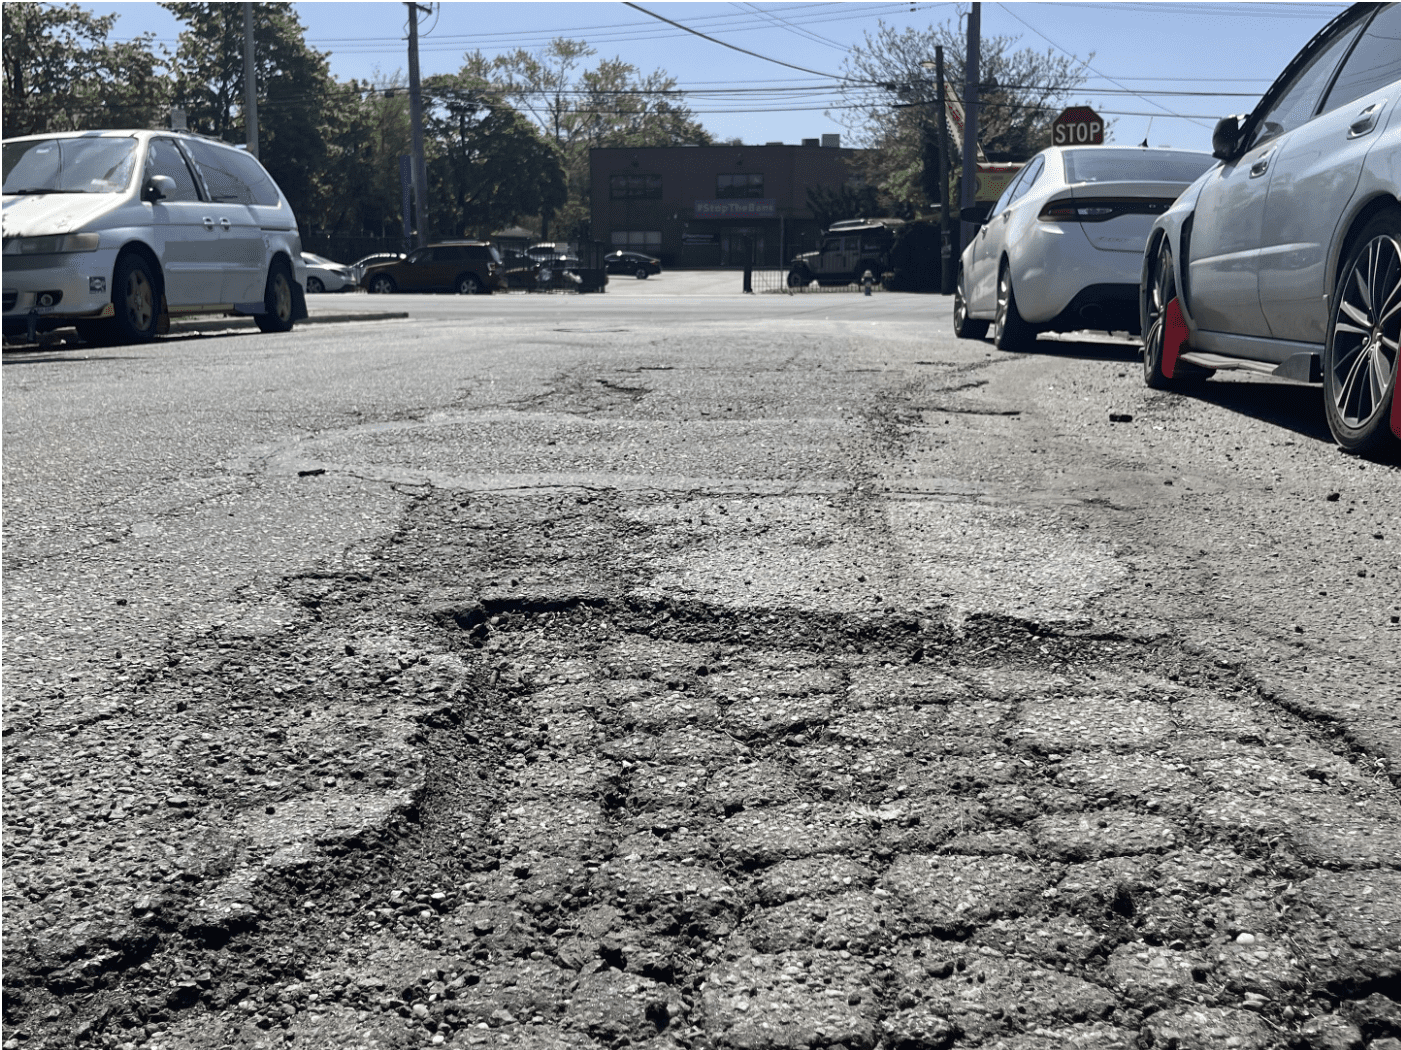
(1286, 258)
(1062, 248)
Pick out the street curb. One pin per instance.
(227, 324)
(222, 324)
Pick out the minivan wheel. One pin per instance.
(467, 284)
(277, 299)
(1360, 357)
(135, 300)
(382, 284)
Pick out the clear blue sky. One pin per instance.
(1181, 65)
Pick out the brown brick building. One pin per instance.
(701, 206)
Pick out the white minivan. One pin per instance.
(115, 232)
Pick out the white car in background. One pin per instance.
(323, 275)
(1062, 249)
(115, 232)
(1286, 257)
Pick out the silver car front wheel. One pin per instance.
(1360, 357)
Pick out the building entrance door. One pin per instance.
(737, 243)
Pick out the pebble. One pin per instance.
(1245, 938)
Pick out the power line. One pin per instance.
(1111, 80)
(732, 47)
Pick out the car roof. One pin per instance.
(124, 133)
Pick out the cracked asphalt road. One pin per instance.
(675, 668)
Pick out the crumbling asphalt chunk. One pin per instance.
(585, 820)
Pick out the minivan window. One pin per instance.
(230, 176)
(85, 165)
(163, 157)
(1373, 64)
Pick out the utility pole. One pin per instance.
(945, 248)
(420, 172)
(250, 83)
(969, 194)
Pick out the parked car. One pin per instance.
(1062, 248)
(849, 250)
(1286, 257)
(543, 250)
(639, 265)
(357, 268)
(518, 270)
(323, 275)
(115, 232)
(465, 267)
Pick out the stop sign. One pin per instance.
(1077, 126)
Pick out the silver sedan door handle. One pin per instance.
(1366, 120)
(1261, 166)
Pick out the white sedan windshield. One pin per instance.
(84, 165)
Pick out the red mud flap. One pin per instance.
(1175, 340)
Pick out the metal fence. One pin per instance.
(774, 282)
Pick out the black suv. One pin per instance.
(464, 267)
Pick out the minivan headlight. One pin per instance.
(53, 245)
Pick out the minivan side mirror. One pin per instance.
(1225, 137)
(158, 187)
(975, 213)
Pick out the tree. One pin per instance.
(892, 100)
(293, 85)
(611, 104)
(490, 165)
(829, 206)
(366, 130)
(61, 74)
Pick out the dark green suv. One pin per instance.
(464, 267)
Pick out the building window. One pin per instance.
(637, 240)
(749, 184)
(635, 187)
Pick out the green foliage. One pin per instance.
(578, 108)
(892, 102)
(490, 165)
(61, 74)
(293, 84)
(829, 206)
(367, 131)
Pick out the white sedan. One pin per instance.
(1062, 249)
(323, 275)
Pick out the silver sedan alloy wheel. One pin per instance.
(1365, 333)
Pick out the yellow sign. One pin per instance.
(992, 179)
